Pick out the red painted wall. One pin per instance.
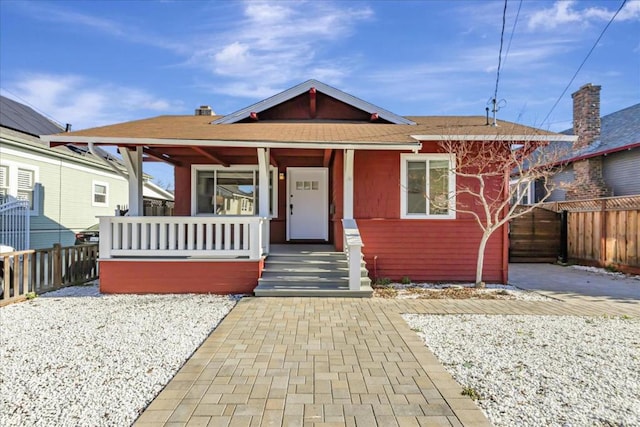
(422, 249)
(428, 250)
(170, 276)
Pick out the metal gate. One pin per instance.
(14, 224)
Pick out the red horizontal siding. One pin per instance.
(170, 276)
(429, 250)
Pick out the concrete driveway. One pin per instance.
(568, 282)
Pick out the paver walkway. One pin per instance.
(331, 362)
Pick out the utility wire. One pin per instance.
(504, 21)
(513, 30)
(24, 101)
(584, 61)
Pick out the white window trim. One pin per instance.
(528, 187)
(12, 189)
(404, 159)
(206, 168)
(93, 194)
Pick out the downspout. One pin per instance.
(92, 150)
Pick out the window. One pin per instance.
(521, 191)
(26, 186)
(4, 183)
(100, 194)
(427, 186)
(230, 191)
(19, 182)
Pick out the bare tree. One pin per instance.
(489, 177)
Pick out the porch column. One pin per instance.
(133, 162)
(264, 157)
(347, 186)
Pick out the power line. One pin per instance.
(584, 61)
(504, 21)
(513, 30)
(24, 101)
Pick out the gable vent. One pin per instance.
(204, 110)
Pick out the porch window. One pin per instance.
(100, 194)
(427, 186)
(230, 191)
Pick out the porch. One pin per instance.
(224, 255)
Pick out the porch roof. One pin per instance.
(198, 130)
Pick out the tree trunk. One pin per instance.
(480, 263)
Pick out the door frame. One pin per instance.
(324, 195)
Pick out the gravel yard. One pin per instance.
(542, 370)
(76, 357)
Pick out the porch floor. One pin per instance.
(308, 270)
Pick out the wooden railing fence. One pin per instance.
(603, 232)
(41, 270)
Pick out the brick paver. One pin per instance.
(331, 362)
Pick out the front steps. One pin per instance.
(309, 271)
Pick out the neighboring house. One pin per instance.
(605, 159)
(66, 187)
(305, 163)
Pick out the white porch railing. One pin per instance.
(14, 224)
(353, 249)
(178, 236)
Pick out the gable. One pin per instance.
(313, 101)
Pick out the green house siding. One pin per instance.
(63, 194)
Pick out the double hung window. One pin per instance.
(427, 186)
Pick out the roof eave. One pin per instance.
(541, 138)
(346, 145)
(602, 153)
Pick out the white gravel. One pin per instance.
(76, 357)
(602, 271)
(542, 370)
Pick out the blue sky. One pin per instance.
(91, 63)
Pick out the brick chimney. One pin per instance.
(588, 182)
(586, 115)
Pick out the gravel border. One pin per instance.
(498, 291)
(542, 370)
(76, 357)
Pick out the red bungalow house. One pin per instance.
(309, 165)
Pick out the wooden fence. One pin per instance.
(603, 232)
(41, 270)
(535, 236)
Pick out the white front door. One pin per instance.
(307, 203)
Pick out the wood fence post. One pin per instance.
(57, 265)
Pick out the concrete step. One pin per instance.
(311, 290)
(309, 273)
(291, 271)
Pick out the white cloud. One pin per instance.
(567, 14)
(277, 42)
(630, 11)
(51, 12)
(84, 102)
